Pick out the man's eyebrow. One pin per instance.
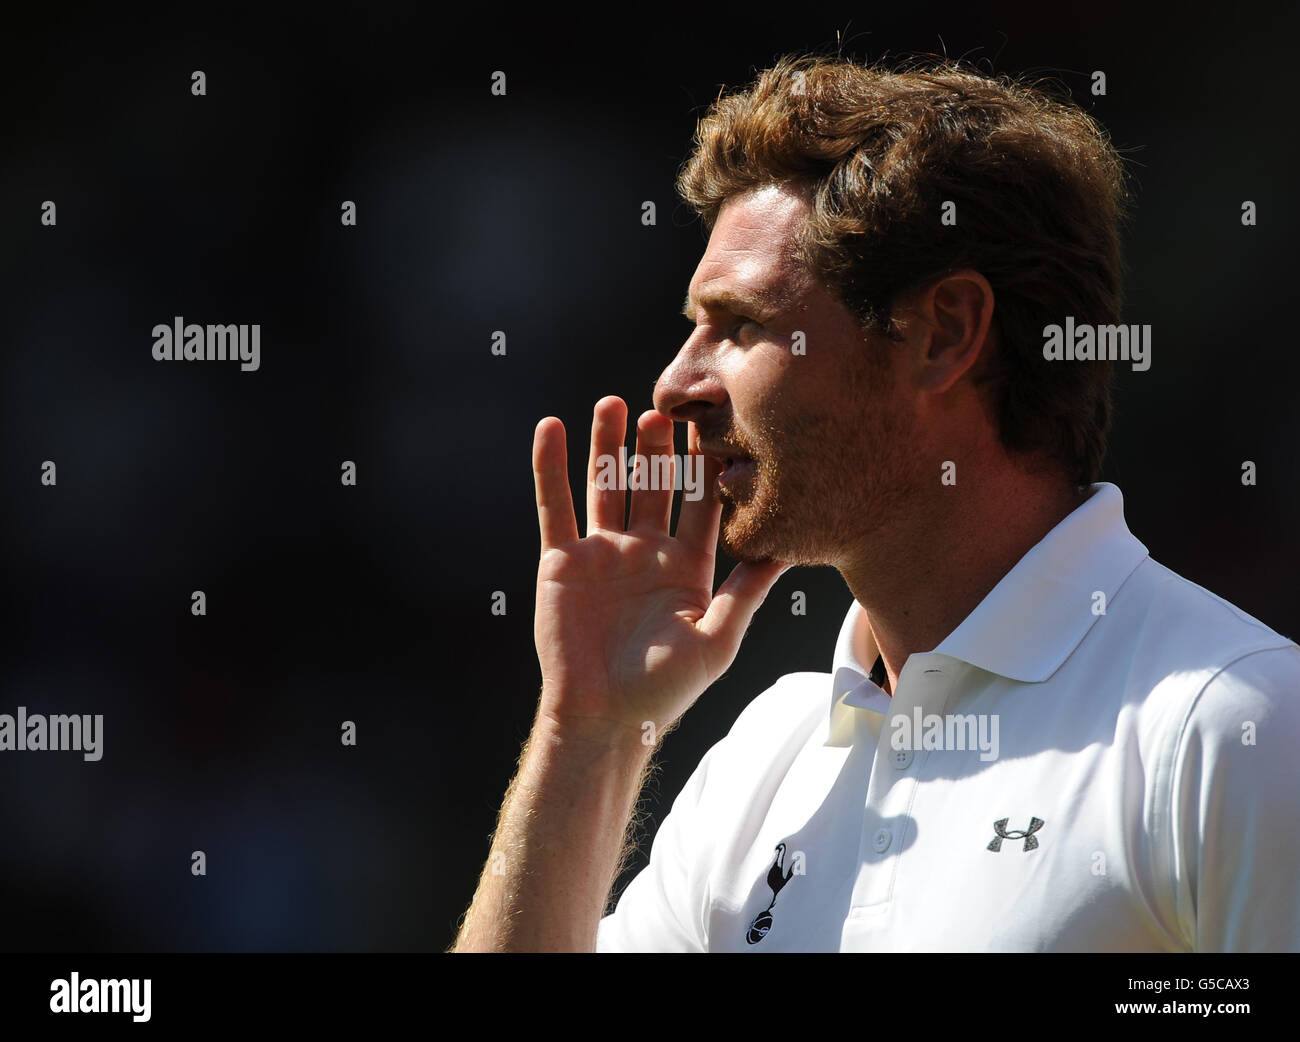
(738, 302)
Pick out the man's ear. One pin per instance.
(951, 318)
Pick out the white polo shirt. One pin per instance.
(1142, 794)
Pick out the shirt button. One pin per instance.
(902, 759)
(881, 840)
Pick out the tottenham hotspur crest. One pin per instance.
(776, 879)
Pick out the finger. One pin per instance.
(606, 507)
(697, 527)
(733, 606)
(652, 506)
(555, 515)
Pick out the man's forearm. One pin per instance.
(558, 842)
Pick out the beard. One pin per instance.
(820, 486)
(753, 524)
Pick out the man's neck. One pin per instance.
(918, 582)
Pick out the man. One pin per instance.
(1034, 737)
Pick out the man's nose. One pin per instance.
(688, 389)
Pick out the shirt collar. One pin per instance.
(1030, 622)
(852, 685)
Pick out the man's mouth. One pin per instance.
(736, 472)
(735, 469)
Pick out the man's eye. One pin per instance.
(741, 324)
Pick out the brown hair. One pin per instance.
(1039, 193)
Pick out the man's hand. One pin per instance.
(628, 628)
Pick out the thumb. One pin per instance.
(733, 606)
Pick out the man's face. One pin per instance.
(816, 446)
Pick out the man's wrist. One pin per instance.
(597, 736)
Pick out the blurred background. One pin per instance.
(475, 213)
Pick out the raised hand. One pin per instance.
(628, 628)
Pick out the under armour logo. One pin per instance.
(763, 921)
(1000, 827)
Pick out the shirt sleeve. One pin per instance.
(1236, 808)
(663, 908)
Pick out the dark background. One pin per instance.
(476, 213)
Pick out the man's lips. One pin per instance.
(724, 455)
(735, 466)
